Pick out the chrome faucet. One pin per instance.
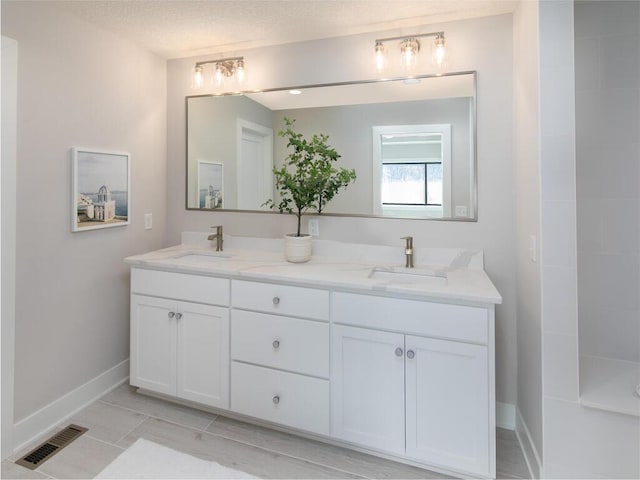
(408, 252)
(217, 237)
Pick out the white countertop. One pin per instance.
(439, 274)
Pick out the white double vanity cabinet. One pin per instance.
(394, 362)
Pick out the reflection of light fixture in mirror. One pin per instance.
(232, 68)
(409, 49)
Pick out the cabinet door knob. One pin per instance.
(410, 354)
(171, 314)
(276, 344)
(276, 300)
(398, 352)
(276, 399)
(178, 316)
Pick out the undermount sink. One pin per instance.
(408, 276)
(203, 257)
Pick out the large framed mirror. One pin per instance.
(411, 141)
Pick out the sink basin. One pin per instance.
(193, 258)
(408, 276)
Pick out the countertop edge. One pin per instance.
(313, 282)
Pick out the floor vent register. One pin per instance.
(50, 447)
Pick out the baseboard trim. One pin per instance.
(528, 447)
(505, 416)
(29, 428)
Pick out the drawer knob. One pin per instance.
(178, 316)
(276, 300)
(410, 354)
(276, 399)
(171, 314)
(399, 352)
(276, 344)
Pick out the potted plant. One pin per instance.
(307, 180)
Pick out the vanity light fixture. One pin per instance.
(231, 68)
(409, 49)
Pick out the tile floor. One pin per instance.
(120, 417)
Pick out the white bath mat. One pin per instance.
(145, 459)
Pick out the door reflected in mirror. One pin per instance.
(412, 144)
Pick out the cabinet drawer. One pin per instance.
(281, 299)
(292, 344)
(456, 322)
(280, 397)
(180, 286)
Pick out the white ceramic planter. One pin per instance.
(297, 249)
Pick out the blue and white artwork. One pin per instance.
(101, 189)
(210, 182)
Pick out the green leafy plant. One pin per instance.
(308, 178)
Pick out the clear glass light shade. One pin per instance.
(409, 48)
(218, 75)
(226, 72)
(380, 56)
(439, 51)
(197, 81)
(240, 72)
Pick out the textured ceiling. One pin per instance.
(176, 29)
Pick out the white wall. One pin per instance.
(608, 178)
(78, 86)
(527, 223)
(578, 442)
(483, 44)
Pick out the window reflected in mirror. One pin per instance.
(414, 162)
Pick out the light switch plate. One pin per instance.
(533, 248)
(462, 211)
(148, 221)
(314, 227)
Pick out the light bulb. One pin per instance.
(198, 80)
(439, 50)
(409, 48)
(219, 75)
(380, 58)
(240, 73)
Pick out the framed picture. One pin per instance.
(210, 181)
(101, 189)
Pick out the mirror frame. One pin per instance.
(474, 136)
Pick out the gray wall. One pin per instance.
(78, 86)
(8, 190)
(482, 44)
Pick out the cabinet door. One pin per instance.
(203, 354)
(153, 344)
(368, 387)
(448, 404)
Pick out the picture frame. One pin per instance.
(210, 184)
(101, 189)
